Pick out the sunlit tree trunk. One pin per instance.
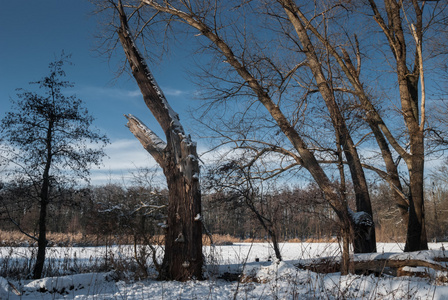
(178, 158)
(183, 239)
(364, 240)
(412, 108)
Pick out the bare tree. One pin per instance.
(49, 134)
(203, 18)
(412, 109)
(232, 182)
(402, 23)
(177, 157)
(327, 89)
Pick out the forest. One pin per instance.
(115, 214)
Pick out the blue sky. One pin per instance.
(34, 32)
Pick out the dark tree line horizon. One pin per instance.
(110, 213)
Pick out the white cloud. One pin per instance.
(124, 157)
(135, 93)
(109, 92)
(113, 92)
(172, 92)
(127, 154)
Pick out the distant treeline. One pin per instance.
(297, 213)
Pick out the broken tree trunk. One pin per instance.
(178, 158)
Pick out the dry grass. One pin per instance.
(16, 238)
(390, 234)
(227, 239)
(314, 240)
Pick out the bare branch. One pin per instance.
(150, 141)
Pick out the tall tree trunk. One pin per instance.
(409, 96)
(42, 241)
(408, 86)
(42, 238)
(178, 158)
(367, 242)
(44, 200)
(416, 235)
(183, 239)
(364, 234)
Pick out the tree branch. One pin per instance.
(150, 141)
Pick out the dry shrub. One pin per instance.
(219, 240)
(13, 238)
(390, 234)
(314, 240)
(227, 239)
(254, 240)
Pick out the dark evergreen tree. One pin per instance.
(49, 138)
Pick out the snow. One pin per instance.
(262, 279)
(4, 287)
(64, 284)
(361, 218)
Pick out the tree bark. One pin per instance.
(183, 239)
(416, 235)
(409, 97)
(177, 156)
(183, 258)
(363, 204)
(44, 200)
(41, 241)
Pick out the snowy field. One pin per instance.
(273, 280)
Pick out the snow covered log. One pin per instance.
(397, 264)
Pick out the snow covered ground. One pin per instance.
(273, 280)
